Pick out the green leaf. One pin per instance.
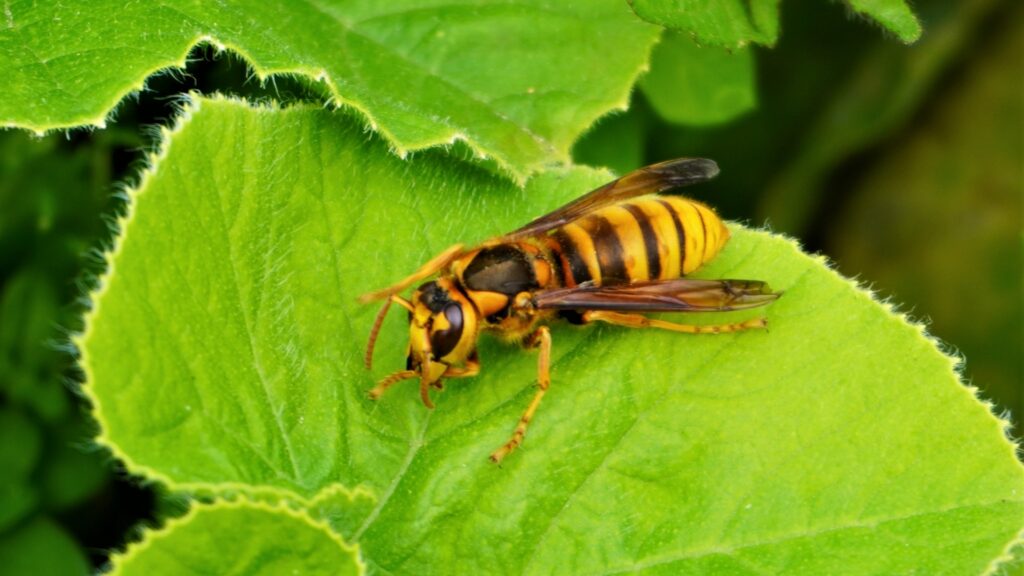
(240, 538)
(735, 23)
(40, 547)
(728, 23)
(616, 142)
(519, 82)
(224, 355)
(29, 306)
(977, 175)
(880, 96)
(51, 194)
(894, 15)
(22, 445)
(72, 470)
(698, 86)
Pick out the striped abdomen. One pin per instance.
(648, 238)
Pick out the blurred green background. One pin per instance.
(905, 165)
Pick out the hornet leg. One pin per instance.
(472, 368)
(539, 339)
(641, 321)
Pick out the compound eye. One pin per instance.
(444, 341)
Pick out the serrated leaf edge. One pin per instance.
(1013, 552)
(914, 35)
(955, 363)
(955, 360)
(150, 535)
(189, 105)
(518, 174)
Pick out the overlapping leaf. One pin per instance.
(224, 355)
(517, 81)
(240, 538)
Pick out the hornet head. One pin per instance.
(442, 334)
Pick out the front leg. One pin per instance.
(472, 368)
(541, 338)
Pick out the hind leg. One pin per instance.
(641, 321)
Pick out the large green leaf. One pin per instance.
(735, 23)
(224, 355)
(519, 82)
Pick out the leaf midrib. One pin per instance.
(611, 450)
(414, 447)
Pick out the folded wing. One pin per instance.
(679, 295)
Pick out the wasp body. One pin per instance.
(611, 255)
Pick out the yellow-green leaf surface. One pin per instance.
(518, 81)
(736, 23)
(240, 538)
(224, 355)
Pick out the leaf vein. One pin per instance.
(853, 525)
(608, 453)
(257, 361)
(414, 447)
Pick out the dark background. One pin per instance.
(905, 165)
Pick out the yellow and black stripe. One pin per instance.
(647, 238)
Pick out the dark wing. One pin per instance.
(649, 180)
(680, 295)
